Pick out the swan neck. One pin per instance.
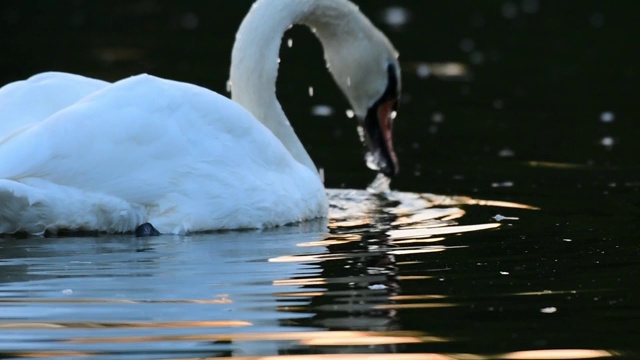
(255, 59)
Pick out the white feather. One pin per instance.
(82, 154)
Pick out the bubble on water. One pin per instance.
(322, 110)
(67, 291)
(607, 117)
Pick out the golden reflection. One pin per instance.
(520, 355)
(122, 325)
(425, 250)
(336, 239)
(300, 282)
(365, 221)
(416, 241)
(326, 337)
(414, 277)
(556, 165)
(436, 214)
(416, 297)
(443, 200)
(557, 354)
(548, 292)
(415, 356)
(307, 258)
(441, 70)
(300, 294)
(428, 232)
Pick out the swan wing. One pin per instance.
(192, 158)
(36, 98)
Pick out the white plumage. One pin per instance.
(83, 154)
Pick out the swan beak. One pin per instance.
(378, 137)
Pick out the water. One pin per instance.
(519, 119)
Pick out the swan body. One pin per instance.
(83, 154)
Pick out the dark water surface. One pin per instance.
(515, 103)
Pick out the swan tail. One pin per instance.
(36, 206)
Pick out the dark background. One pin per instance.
(539, 76)
(524, 123)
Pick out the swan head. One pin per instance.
(366, 69)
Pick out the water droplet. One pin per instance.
(349, 81)
(350, 113)
(504, 273)
(607, 117)
(310, 91)
(322, 110)
(290, 42)
(423, 70)
(396, 16)
(607, 141)
(393, 115)
(437, 117)
(228, 86)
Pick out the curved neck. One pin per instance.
(254, 59)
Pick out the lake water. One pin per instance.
(511, 232)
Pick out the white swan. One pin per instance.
(83, 154)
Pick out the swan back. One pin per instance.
(32, 100)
